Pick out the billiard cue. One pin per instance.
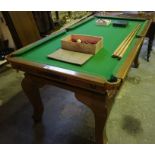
(121, 53)
(127, 42)
(122, 45)
(118, 50)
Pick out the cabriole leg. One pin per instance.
(32, 92)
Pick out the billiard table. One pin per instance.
(94, 83)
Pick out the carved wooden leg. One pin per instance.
(100, 133)
(149, 48)
(136, 60)
(97, 103)
(150, 44)
(151, 35)
(32, 91)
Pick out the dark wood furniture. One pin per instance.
(22, 26)
(150, 35)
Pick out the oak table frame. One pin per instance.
(96, 93)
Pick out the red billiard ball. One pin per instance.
(73, 40)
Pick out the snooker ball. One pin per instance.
(93, 42)
(78, 41)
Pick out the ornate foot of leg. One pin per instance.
(32, 92)
(97, 103)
